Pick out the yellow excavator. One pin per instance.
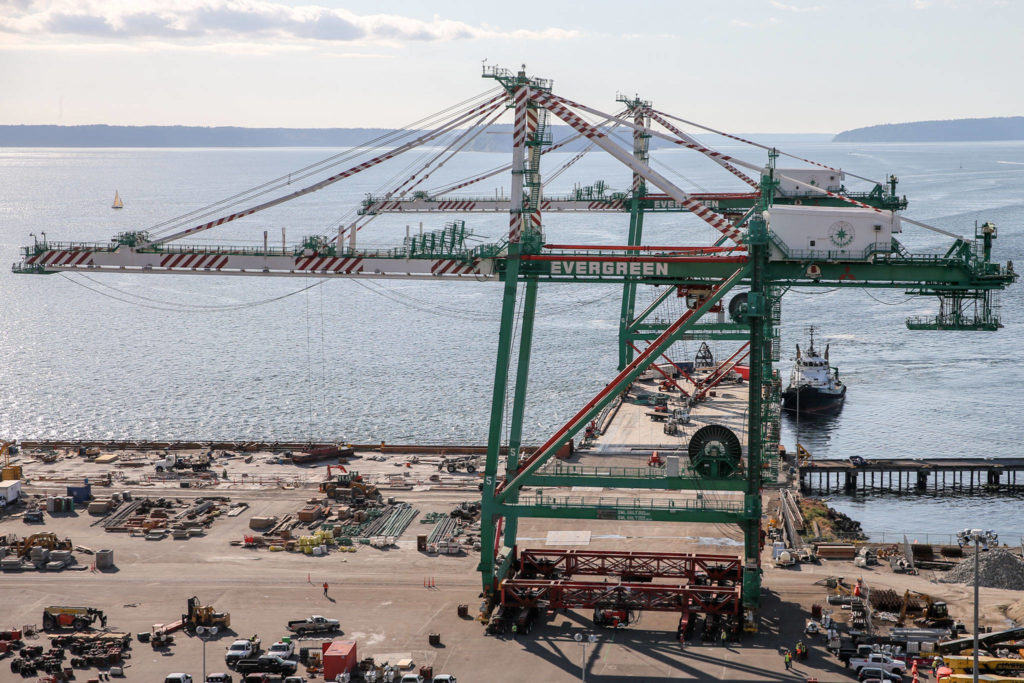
(348, 486)
(935, 613)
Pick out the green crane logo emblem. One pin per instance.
(841, 233)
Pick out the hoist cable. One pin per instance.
(173, 306)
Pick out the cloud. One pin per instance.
(794, 8)
(205, 22)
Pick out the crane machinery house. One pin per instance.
(830, 233)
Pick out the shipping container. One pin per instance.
(339, 658)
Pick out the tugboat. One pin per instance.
(814, 386)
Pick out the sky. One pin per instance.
(769, 66)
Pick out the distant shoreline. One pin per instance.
(236, 137)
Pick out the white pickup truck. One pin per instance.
(242, 649)
(879, 660)
(282, 649)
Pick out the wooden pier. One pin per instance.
(963, 475)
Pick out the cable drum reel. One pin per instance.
(738, 308)
(715, 452)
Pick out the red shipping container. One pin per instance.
(339, 658)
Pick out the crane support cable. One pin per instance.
(501, 169)
(655, 133)
(489, 104)
(707, 151)
(579, 155)
(388, 138)
(356, 225)
(814, 188)
(765, 147)
(557, 106)
(479, 127)
(453, 148)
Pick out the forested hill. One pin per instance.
(955, 130)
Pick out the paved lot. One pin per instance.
(380, 599)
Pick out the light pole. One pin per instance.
(591, 638)
(202, 632)
(980, 538)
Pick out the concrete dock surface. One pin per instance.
(390, 600)
(380, 599)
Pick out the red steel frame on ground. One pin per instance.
(682, 598)
(631, 564)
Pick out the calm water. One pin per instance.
(133, 356)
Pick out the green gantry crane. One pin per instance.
(790, 228)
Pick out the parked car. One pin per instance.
(256, 678)
(444, 678)
(178, 678)
(219, 678)
(412, 678)
(873, 673)
(294, 679)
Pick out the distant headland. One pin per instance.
(955, 130)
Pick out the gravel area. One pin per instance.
(996, 569)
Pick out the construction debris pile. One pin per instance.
(444, 538)
(156, 517)
(87, 650)
(996, 569)
(377, 526)
(390, 521)
(99, 650)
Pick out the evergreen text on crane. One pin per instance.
(607, 268)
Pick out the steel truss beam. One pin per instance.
(718, 600)
(690, 566)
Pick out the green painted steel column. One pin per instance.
(641, 143)
(636, 228)
(515, 438)
(756, 304)
(760, 351)
(488, 510)
(519, 89)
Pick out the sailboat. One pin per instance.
(118, 204)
